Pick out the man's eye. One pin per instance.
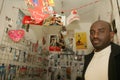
(101, 31)
(92, 32)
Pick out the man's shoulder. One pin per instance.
(115, 48)
(114, 45)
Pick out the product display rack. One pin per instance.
(67, 65)
(18, 59)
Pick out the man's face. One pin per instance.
(100, 35)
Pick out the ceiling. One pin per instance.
(85, 8)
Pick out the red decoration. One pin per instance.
(54, 48)
(74, 12)
(73, 17)
(16, 35)
(23, 69)
(29, 20)
(37, 15)
(40, 11)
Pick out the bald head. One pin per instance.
(102, 23)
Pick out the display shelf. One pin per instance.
(18, 55)
(66, 64)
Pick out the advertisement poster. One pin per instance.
(53, 43)
(81, 40)
(19, 20)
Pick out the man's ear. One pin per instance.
(112, 35)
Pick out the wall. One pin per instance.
(103, 10)
(116, 16)
(1, 19)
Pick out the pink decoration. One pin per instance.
(16, 35)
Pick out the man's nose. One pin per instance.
(96, 35)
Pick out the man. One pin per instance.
(104, 61)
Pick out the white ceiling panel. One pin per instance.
(85, 8)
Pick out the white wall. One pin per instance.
(103, 10)
(2, 14)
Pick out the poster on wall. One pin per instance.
(55, 20)
(53, 44)
(19, 19)
(81, 40)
